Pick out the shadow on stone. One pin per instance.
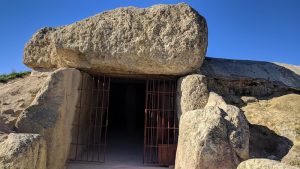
(250, 78)
(265, 143)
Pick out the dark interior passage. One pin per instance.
(126, 120)
(114, 125)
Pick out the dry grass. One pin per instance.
(6, 77)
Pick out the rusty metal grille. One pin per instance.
(91, 120)
(161, 123)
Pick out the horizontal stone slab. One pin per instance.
(162, 39)
(285, 74)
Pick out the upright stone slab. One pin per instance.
(216, 136)
(192, 93)
(51, 114)
(162, 39)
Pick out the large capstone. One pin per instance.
(162, 39)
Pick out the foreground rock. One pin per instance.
(214, 137)
(238, 128)
(163, 39)
(263, 164)
(23, 151)
(16, 95)
(51, 114)
(192, 93)
(280, 115)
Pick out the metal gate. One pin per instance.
(161, 123)
(91, 120)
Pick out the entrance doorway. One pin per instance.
(125, 121)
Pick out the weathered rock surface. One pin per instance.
(248, 99)
(192, 93)
(288, 75)
(214, 137)
(16, 95)
(238, 128)
(51, 114)
(263, 164)
(281, 115)
(23, 151)
(163, 39)
(250, 78)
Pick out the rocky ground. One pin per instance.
(19, 150)
(264, 164)
(16, 95)
(280, 116)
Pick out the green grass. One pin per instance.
(6, 77)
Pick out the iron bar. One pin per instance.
(161, 128)
(160, 121)
(91, 125)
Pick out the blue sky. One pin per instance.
(267, 30)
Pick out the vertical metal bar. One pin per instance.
(84, 142)
(101, 114)
(155, 124)
(163, 112)
(145, 121)
(160, 125)
(90, 118)
(148, 121)
(95, 119)
(169, 109)
(157, 117)
(152, 116)
(174, 116)
(148, 130)
(84, 149)
(106, 121)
